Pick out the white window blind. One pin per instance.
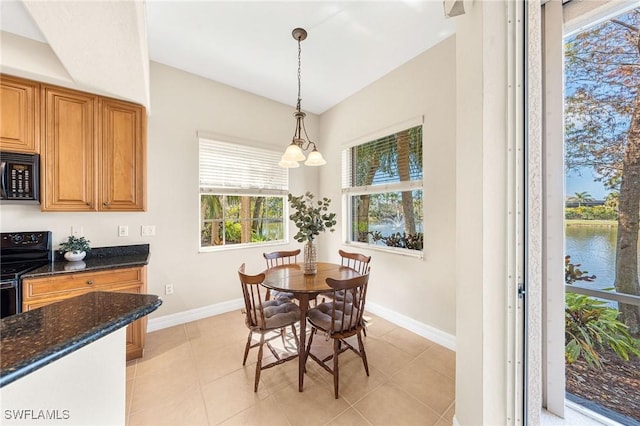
(236, 169)
(390, 163)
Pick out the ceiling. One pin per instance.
(248, 45)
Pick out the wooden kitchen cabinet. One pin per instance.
(19, 115)
(43, 291)
(93, 152)
(69, 150)
(122, 175)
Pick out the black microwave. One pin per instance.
(19, 177)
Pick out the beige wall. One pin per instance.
(422, 289)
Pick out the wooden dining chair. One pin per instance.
(264, 317)
(338, 320)
(356, 261)
(278, 258)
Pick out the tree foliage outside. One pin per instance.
(590, 324)
(602, 130)
(236, 219)
(376, 214)
(581, 197)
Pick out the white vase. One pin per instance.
(310, 258)
(74, 256)
(75, 266)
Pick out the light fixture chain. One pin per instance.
(299, 72)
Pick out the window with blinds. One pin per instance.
(242, 195)
(382, 187)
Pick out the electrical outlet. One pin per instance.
(76, 231)
(147, 230)
(168, 289)
(123, 231)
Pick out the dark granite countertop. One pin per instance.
(33, 339)
(97, 259)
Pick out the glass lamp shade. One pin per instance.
(293, 153)
(315, 159)
(288, 164)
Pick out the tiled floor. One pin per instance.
(192, 374)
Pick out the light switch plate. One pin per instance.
(147, 230)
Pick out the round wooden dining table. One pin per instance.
(291, 278)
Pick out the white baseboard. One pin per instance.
(421, 329)
(455, 421)
(193, 315)
(438, 336)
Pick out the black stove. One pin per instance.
(20, 252)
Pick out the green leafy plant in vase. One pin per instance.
(74, 248)
(310, 217)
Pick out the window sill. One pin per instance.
(419, 254)
(241, 246)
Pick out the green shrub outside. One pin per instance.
(591, 324)
(591, 213)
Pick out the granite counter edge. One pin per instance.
(56, 352)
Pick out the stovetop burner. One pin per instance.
(21, 252)
(14, 270)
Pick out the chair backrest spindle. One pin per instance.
(278, 258)
(356, 261)
(252, 297)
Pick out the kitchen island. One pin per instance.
(66, 361)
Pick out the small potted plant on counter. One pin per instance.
(74, 249)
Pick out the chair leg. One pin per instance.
(336, 372)
(313, 331)
(295, 336)
(246, 348)
(363, 354)
(259, 363)
(283, 331)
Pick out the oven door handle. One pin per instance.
(3, 180)
(4, 285)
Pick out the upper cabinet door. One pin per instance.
(19, 115)
(122, 157)
(69, 150)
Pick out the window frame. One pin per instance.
(247, 190)
(349, 191)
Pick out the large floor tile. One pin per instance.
(349, 417)
(407, 341)
(175, 358)
(163, 387)
(388, 405)
(387, 358)
(230, 395)
(185, 408)
(441, 359)
(264, 412)
(426, 385)
(316, 405)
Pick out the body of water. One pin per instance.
(594, 248)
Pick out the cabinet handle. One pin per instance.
(89, 282)
(106, 204)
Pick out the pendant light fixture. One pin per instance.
(293, 153)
